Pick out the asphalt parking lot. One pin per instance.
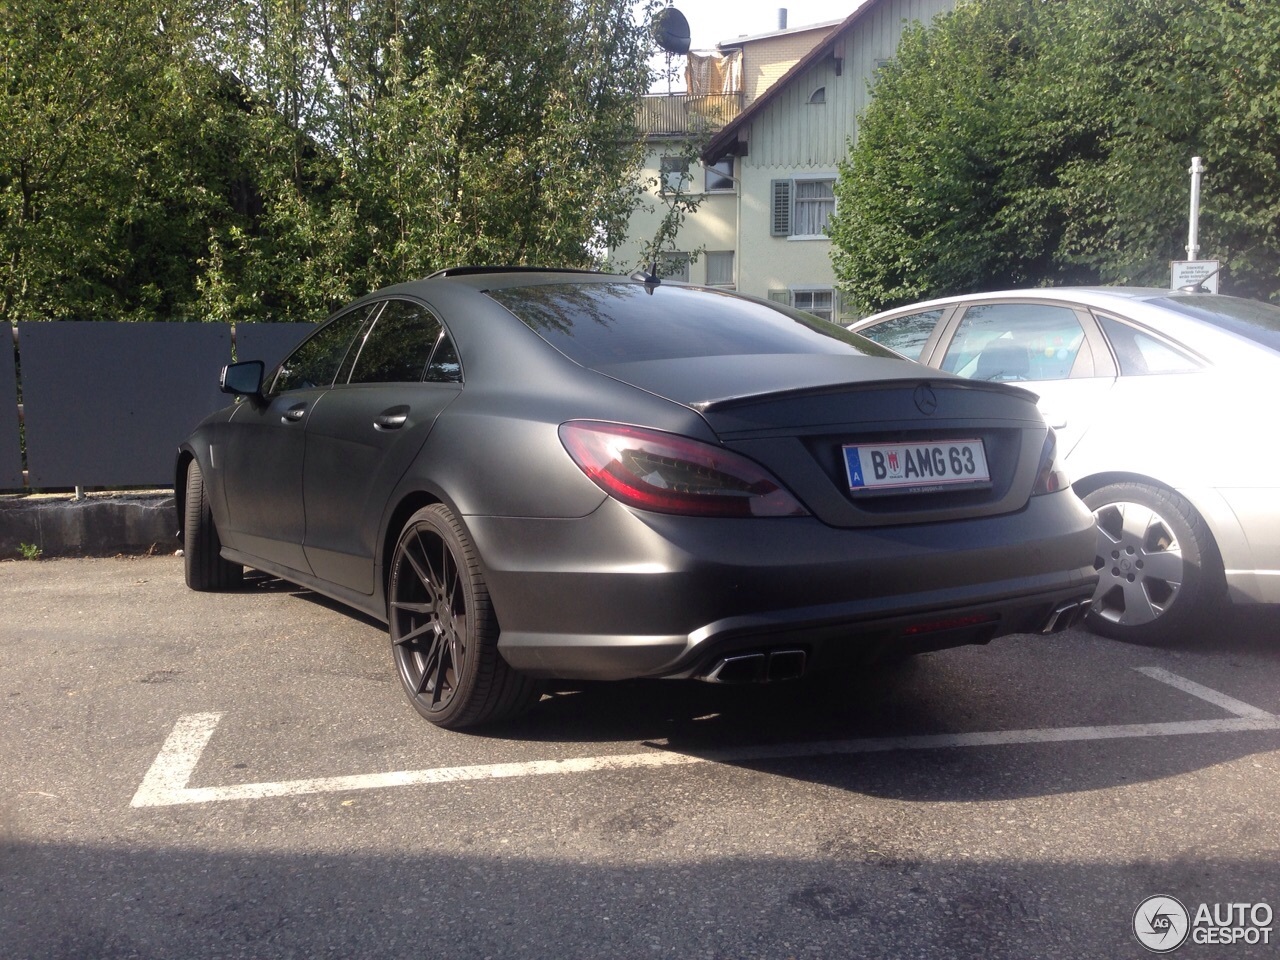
(197, 776)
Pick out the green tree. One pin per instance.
(423, 135)
(679, 197)
(267, 159)
(1032, 142)
(84, 177)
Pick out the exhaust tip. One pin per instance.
(1066, 616)
(758, 667)
(786, 665)
(744, 668)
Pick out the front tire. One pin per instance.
(444, 635)
(1160, 576)
(201, 547)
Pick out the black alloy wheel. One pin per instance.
(444, 635)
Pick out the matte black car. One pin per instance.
(534, 474)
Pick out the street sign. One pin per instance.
(1188, 273)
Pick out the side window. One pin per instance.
(1018, 341)
(814, 201)
(906, 334)
(445, 367)
(315, 363)
(1140, 354)
(719, 268)
(398, 347)
(674, 175)
(801, 208)
(720, 175)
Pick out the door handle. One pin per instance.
(294, 413)
(393, 418)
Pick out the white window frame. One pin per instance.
(715, 170)
(733, 263)
(669, 172)
(782, 212)
(796, 292)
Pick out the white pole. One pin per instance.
(1193, 239)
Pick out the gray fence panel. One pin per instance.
(106, 404)
(269, 342)
(10, 449)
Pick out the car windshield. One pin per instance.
(603, 323)
(1259, 322)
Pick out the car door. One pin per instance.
(1162, 392)
(1053, 349)
(363, 434)
(265, 444)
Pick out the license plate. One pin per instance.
(916, 467)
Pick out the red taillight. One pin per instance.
(667, 473)
(949, 623)
(1051, 477)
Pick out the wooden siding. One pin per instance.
(793, 133)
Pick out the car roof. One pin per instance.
(1136, 304)
(479, 279)
(1096, 296)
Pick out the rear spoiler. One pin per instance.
(718, 404)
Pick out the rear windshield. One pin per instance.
(596, 324)
(1259, 322)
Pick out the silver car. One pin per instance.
(1165, 405)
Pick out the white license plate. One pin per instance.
(916, 467)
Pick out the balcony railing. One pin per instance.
(680, 113)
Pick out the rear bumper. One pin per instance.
(621, 594)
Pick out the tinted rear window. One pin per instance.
(1259, 322)
(604, 323)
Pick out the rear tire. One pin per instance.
(202, 549)
(444, 635)
(1160, 575)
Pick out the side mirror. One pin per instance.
(243, 379)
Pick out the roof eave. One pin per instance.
(733, 138)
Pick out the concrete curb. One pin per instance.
(101, 525)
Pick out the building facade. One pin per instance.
(766, 174)
(674, 123)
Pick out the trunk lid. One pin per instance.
(797, 415)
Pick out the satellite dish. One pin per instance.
(672, 31)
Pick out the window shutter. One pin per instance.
(780, 296)
(780, 220)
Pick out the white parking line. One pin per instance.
(1229, 704)
(166, 782)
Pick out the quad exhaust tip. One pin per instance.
(759, 667)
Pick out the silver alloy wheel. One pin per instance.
(1139, 563)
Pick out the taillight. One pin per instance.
(1050, 477)
(668, 473)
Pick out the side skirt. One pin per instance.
(360, 601)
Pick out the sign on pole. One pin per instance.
(1189, 273)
